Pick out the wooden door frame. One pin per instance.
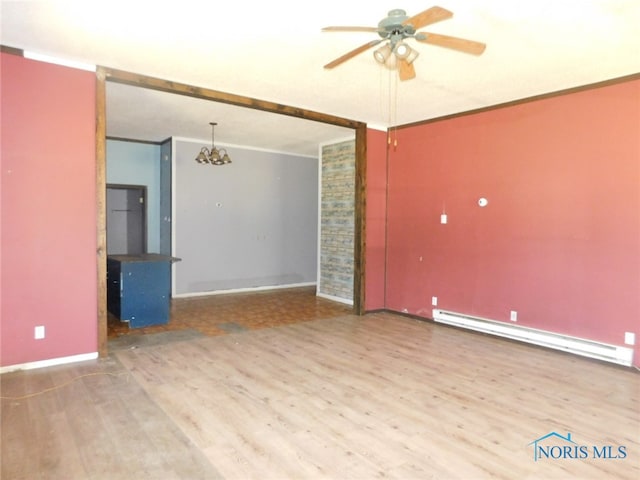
(104, 74)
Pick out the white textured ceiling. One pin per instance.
(275, 51)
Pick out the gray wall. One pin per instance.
(249, 224)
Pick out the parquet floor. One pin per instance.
(218, 314)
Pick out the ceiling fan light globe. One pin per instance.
(391, 63)
(402, 50)
(413, 54)
(382, 54)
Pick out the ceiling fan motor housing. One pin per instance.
(392, 25)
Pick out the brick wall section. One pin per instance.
(337, 220)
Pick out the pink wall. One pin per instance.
(375, 219)
(559, 241)
(48, 205)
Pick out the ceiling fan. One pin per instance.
(395, 29)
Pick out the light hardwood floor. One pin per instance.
(378, 396)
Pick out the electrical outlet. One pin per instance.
(39, 332)
(443, 218)
(434, 301)
(629, 338)
(514, 316)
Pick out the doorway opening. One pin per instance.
(105, 74)
(126, 219)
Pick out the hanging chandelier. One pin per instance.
(213, 156)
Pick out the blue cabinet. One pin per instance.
(139, 288)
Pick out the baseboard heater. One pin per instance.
(578, 346)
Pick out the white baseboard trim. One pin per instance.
(49, 363)
(335, 299)
(243, 290)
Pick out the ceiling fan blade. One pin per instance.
(429, 16)
(353, 53)
(350, 29)
(460, 44)
(406, 70)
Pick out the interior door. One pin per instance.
(126, 219)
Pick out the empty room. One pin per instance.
(320, 241)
